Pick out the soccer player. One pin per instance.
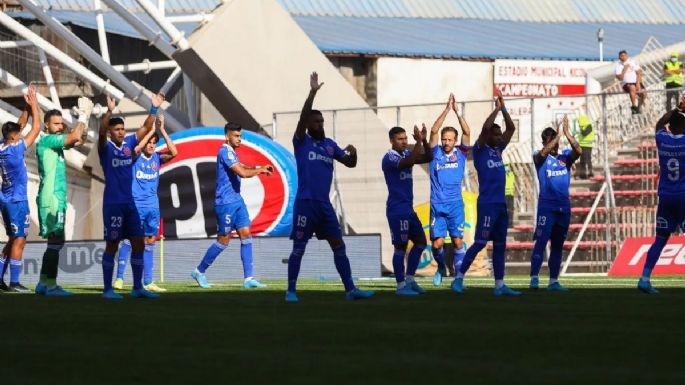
(52, 191)
(145, 183)
(313, 211)
(404, 223)
(554, 203)
(446, 203)
(121, 218)
(230, 209)
(492, 207)
(15, 208)
(670, 213)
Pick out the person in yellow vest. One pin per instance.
(673, 76)
(586, 139)
(509, 190)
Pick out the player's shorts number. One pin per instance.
(404, 225)
(116, 221)
(542, 220)
(227, 220)
(27, 221)
(486, 221)
(301, 221)
(60, 217)
(673, 169)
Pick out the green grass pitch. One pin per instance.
(602, 331)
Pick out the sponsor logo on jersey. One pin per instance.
(116, 162)
(316, 156)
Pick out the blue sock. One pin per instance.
(398, 265)
(294, 262)
(148, 263)
(342, 264)
(439, 256)
(107, 271)
(414, 258)
(137, 268)
(214, 250)
(538, 256)
(246, 256)
(122, 259)
(3, 262)
(557, 247)
(498, 249)
(470, 256)
(459, 257)
(653, 255)
(15, 270)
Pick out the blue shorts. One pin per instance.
(16, 217)
(121, 221)
(552, 220)
(447, 218)
(311, 216)
(404, 226)
(232, 216)
(149, 216)
(492, 223)
(670, 214)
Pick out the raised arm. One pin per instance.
(24, 117)
(350, 157)
(490, 120)
(143, 142)
(148, 125)
(417, 155)
(314, 87)
(572, 141)
(661, 124)
(438, 123)
(465, 129)
(509, 125)
(540, 157)
(77, 135)
(427, 155)
(31, 99)
(167, 139)
(104, 122)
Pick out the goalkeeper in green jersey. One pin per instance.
(52, 192)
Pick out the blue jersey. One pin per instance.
(13, 169)
(117, 165)
(554, 175)
(446, 174)
(491, 174)
(671, 150)
(399, 182)
(146, 180)
(315, 166)
(227, 181)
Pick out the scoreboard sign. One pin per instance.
(187, 184)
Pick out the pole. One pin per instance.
(176, 36)
(102, 35)
(48, 78)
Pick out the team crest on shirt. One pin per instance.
(154, 166)
(452, 158)
(329, 150)
(562, 163)
(126, 151)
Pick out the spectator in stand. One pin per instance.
(630, 75)
(509, 189)
(586, 139)
(673, 76)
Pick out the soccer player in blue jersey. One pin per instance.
(121, 218)
(230, 209)
(670, 213)
(446, 202)
(145, 182)
(493, 218)
(554, 203)
(15, 205)
(313, 212)
(404, 223)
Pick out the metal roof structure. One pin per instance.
(474, 39)
(544, 11)
(170, 6)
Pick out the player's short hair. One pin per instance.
(449, 129)
(676, 122)
(154, 136)
(315, 112)
(621, 52)
(8, 128)
(231, 126)
(115, 121)
(50, 114)
(495, 125)
(395, 131)
(547, 134)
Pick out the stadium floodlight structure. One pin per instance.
(132, 91)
